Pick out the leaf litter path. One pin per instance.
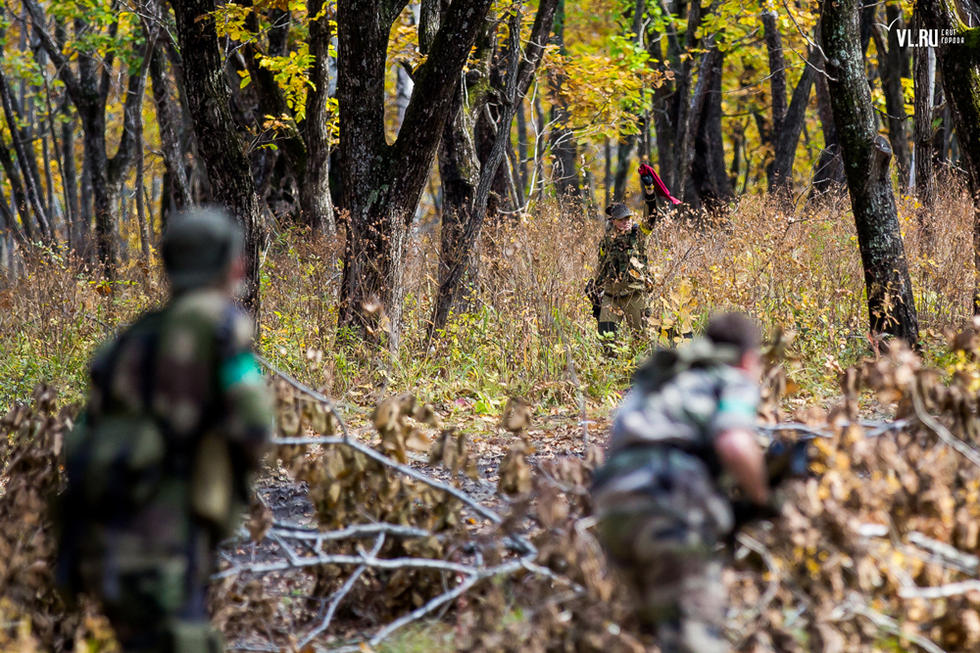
(283, 612)
(263, 598)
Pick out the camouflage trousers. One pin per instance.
(660, 519)
(632, 308)
(155, 603)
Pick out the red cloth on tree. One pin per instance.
(658, 183)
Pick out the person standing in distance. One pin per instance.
(688, 419)
(620, 288)
(177, 419)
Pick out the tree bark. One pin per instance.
(315, 198)
(221, 149)
(924, 134)
(708, 173)
(710, 66)
(960, 64)
(892, 66)
(474, 178)
(169, 123)
(866, 155)
(789, 136)
(562, 140)
(787, 121)
(829, 173)
(381, 183)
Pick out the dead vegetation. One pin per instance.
(488, 524)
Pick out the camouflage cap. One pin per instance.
(618, 210)
(199, 246)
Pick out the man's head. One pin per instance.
(741, 332)
(620, 215)
(202, 247)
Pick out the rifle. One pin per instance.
(594, 293)
(785, 461)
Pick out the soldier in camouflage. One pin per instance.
(620, 288)
(159, 466)
(659, 499)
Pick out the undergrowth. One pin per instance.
(526, 327)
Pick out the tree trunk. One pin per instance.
(708, 172)
(562, 140)
(960, 65)
(315, 198)
(866, 154)
(663, 103)
(777, 85)
(623, 151)
(381, 183)
(829, 174)
(787, 122)
(169, 121)
(522, 157)
(892, 66)
(207, 97)
(925, 90)
(469, 179)
(710, 66)
(789, 136)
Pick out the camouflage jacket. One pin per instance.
(190, 368)
(689, 409)
(622, 262)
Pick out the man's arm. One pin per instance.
(734, 426)
(246, 399)
(743, 459)
(653, 213)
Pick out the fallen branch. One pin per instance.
(404, 469)
(965, 562)
(340, 559)
(941, 591)
(889, 625)
(356, 531)
(340, 594)
(942, 432)
(305, 389)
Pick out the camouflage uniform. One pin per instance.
(182, 389)
(661, 512)
(622, 278)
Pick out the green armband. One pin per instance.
(241, 368)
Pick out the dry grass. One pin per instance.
(794, 268)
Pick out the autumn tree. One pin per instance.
(381, 182)
(787, 119)
(466, 175)
(866, 156)
(960, 63)
(87, 76)
(221, 149)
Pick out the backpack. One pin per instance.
(666, 364)
(115, 456)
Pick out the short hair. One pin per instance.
(736, 329)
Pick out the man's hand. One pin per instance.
(786, 460)
(646, 174)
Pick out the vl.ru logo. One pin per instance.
(928, 38)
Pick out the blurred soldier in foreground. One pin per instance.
(689, 417)
(619, 290)
(159, 464)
